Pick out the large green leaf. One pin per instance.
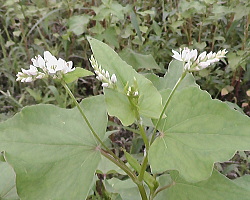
(197, 132)
(52, 149)
(217, 187)
(7, 182)
(117, 102)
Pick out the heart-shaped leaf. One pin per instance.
(117, 102)
(197, 132)
(52, 149)
(217, 187)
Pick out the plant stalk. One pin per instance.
(166, 105)
(87, 121)
(128, 172)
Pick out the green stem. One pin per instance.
(166, 105)
(161, 189)
(145, 160)
(143, 167)
(11, 98)
(83, 115)
(87, 121)
(144, 135)
(128, 172)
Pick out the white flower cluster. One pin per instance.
(102, 75)
(48, 66)
(193, 62)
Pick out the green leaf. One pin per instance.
(77, 73)
(197, 132)
(107, 167)
(7, 182)
(139, 61)
(114, 100)
(52, 149)
(110, 36)
(217, 187)
(77, 24)
(127, 188)
(175, 70)
(157, 29)
(149, 104)
(135, 24)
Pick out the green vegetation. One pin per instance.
(144, 34)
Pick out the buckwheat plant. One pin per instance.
(55, 153)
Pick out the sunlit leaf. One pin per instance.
(197, 132)
(217, 187)
(117, 102)
(52, 149)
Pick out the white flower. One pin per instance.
(185, 54)
(194, 63)
(105, 85)
(102, 75)
(48, 66)
(39, 62)
(113, 78)
(29, 75)
(53, 65)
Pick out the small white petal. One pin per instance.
(187, 66)
(203, 65)
(70, 66)
(101, 77)
(29, 79)
(18, 78)
(202, 56)
(40, 75)
(113, 78)
(186, 56)
(194, 54)
(107, 74)
(38, 61)
(176, 55)
(210, 55)
(48, 57)
(105, 84)
(213, 60)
